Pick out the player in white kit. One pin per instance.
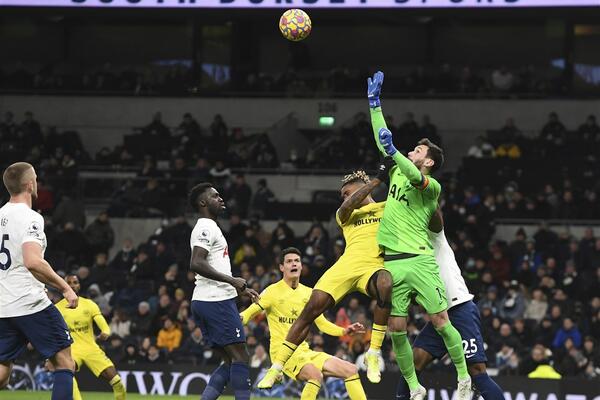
(213, 302)
(26, 313)
(463, 314)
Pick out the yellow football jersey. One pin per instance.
(360, 231)
(283, 305)
(80, 321)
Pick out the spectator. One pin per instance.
(154, 355)
(190, 129)
(429, 130)
(481, 149)
(502, 79)
(157, 128)
(589, 131)
(72, 242)
(259, 359)
(95, 294)
(169, 337)
(490, 301)
(568, 331)
(102, 273)
(114, 348)
(537, 307)
(141, 324)
(120, 324)
(131, 355)
(69, 209)
(262, 198)
(100, 235)
(513, 303)
(239, 196)
(219, 174)
(193, 348)
(553, 132)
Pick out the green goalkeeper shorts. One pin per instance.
(417, 277)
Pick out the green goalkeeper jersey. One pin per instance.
(410, 204)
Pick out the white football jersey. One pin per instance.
(20, 292)
(208, 235)
(456, 288)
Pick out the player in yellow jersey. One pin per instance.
(85, 350)
(282, 302)
(359, 269)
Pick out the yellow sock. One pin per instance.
(118, 387)
(311, 390)
(354, 388)
(377, 336)
(76, 393)
(285, 352)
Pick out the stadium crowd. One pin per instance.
(296, 81)
(538, 295)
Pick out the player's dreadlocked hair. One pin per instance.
(356, 176)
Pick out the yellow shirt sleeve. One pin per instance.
(328, 327)
(256, 308)
(250, 313)
(99, 318)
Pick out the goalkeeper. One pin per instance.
(408, 254)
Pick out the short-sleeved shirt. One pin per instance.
(456, 288)
(283, 306)
(403, 228)
(20, 292)
(80, 321)
(207, 235)
(360, 231)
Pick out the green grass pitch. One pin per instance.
(22, 395)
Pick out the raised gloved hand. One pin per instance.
(374, 89)
(385, 139)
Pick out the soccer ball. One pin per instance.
(295, 25)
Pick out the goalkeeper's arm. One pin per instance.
(405, 166)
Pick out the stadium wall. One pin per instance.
(182, 379)
(102, 121)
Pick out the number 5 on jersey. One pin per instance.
(5, 261)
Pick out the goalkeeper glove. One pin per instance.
(385, 139)
(374, 89)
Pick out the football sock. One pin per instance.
(217, 382)
(487, 387)
(284, 354)
(76, 393)
(404, 358)
(118, 387)
(453, 343)
(63, 385)
(402, 390)
(377, 336)
(311, 390)
(240, 380)
(354, 388)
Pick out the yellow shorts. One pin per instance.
(93, 357)
(300, 358)
(345, 277)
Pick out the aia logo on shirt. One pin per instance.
(226, 252)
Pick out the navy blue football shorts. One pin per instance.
(465, 318)
(219, 322)
(46, 330)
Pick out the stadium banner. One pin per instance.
(185, 379)
(302, 3)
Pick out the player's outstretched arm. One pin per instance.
(250, 313)
(373, 92)
(354, 201)
(332, 329)
(383, 136)
(200, 265)
(43, 272)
